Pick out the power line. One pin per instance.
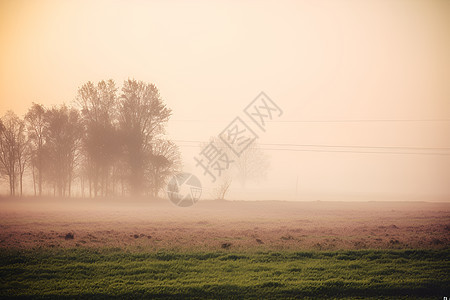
(342, 151)
(341, 146)
(359, 121)
(352, 151)
(336, 146)
(358, 146)
(325, 121)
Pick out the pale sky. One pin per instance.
(382, 67)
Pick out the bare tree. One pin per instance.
(122, 138)
(165, 161)
(62, 141)
(12, 150)
(142, 119)
(35, 121)
(251, 165)
(23, 151)
(222, 187)
(7, 158)
(99, 106)
(117, 143)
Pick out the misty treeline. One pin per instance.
(110, 143)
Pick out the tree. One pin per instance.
(12, 150)
(251, 164)
(165, 161)
(122, 138)
(35, 120)
(62, 141)
(22, 153)
(99, 106)
(222, 187)
(142, 118)
(117, 143)
(7, 154)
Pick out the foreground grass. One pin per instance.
(116, 273)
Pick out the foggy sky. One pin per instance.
(355, 73)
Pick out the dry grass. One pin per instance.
(245, 226)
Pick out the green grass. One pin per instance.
(118, 273)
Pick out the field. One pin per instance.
(221, 249)
(118, 273)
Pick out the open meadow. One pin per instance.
(197, 149)
(223, 249)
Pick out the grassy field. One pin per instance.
(133, 273)
(259, 226)
(92, 248)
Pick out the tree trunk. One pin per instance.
(40, 180)
(21, 180)
(90, 188)
(13, 181)
(11, 186)
(70, 185)
(40, 166)
(34, 180)
(82, 185)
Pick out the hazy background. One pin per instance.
(345, 73)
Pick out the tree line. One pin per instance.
(110, 143)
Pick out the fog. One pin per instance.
(362, 87)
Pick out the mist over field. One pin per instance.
(222, 150)
(214, 225)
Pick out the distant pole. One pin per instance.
(296, 189)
